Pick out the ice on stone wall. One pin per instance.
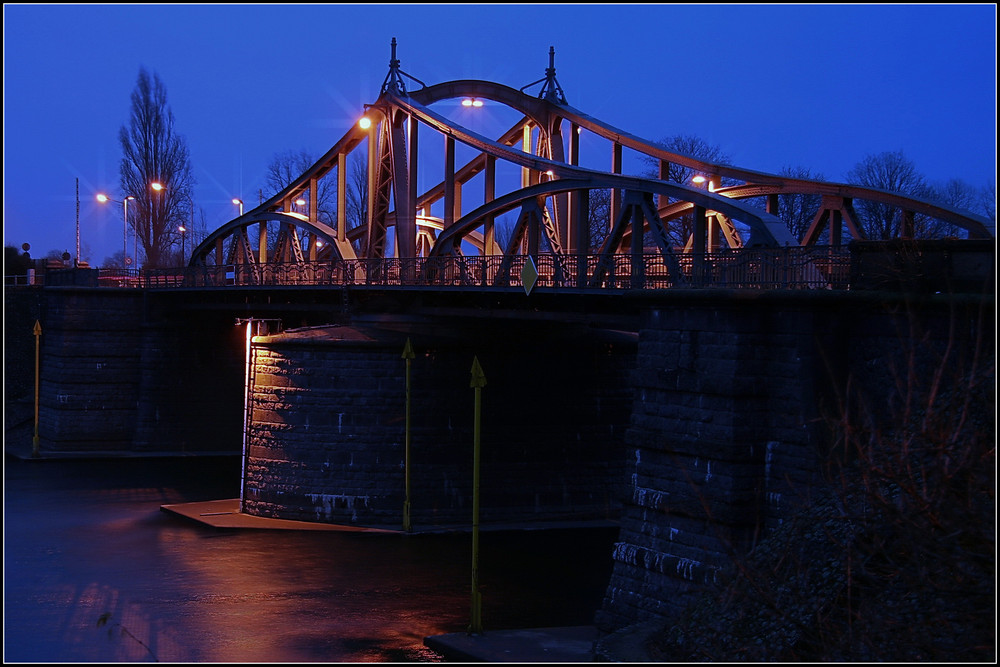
(325, 505)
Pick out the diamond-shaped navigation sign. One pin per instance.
(529, 274)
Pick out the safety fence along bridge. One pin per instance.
(522, 210)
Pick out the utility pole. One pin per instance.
(77, 260)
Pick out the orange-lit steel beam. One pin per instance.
(406, 224)
(342, 197)
(616, 195)
(571, 238)
(449, 181)
(489, 193)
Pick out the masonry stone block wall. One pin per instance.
(730, 431)
(119, 374)
(190, 384)
(90, 373)
(327, 426)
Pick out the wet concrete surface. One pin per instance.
(96, 571)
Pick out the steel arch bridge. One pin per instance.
(553, 228)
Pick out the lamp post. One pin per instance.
(104, 198)
(239, 202)
(182, 229)
(125, 230)
(156, 186)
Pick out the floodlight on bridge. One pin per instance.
(472, 102)
(365, 122)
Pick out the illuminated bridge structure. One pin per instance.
(659, 233)
(696, 419)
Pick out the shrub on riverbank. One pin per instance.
(896, 562)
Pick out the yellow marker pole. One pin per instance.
(408, 355)
(478, 382)
(38, 335)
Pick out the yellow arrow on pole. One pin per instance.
(477, 383)
(408, 355)
(37, 331)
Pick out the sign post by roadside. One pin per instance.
(408, 355)
(37, 331)
(477, 383)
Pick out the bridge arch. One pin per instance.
(321, 236)
(551, 180)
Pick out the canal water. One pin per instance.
(94, 571)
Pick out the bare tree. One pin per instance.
(690, 146)
(287, 167)
(357, 191)
(798, 210)
(890, 172)
(680, 229)
(599, 209)
(115, 261)
(956, 193)
(988, 203)
(154, 153)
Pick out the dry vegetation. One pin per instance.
(897, 561)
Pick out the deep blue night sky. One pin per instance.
(775, 86)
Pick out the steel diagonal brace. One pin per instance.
(611, 243)
(659, 234)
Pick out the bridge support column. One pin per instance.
(527, 148)
(262, 249)
(638, 260)
(664, 174)
(449, 182)
(341, 197)
(581, 222)
(489, 193)
(616, 195)
(570, 238)
(412, 180)
(698, 249)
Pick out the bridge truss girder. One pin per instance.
(553, 198)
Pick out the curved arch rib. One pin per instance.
(768, 230)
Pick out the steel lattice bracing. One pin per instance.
(551, 202)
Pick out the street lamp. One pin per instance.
(104, 198)
(156, 186)
(182, 229)
(239, 202)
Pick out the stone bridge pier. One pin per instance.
(736, 400)
(327, 423)
(699, 419)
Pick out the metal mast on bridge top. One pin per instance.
(551, 91)
(394, 79)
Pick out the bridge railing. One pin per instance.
(766, 268)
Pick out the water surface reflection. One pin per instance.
(86, 540)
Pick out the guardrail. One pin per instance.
(963, 266)
(783, 268)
